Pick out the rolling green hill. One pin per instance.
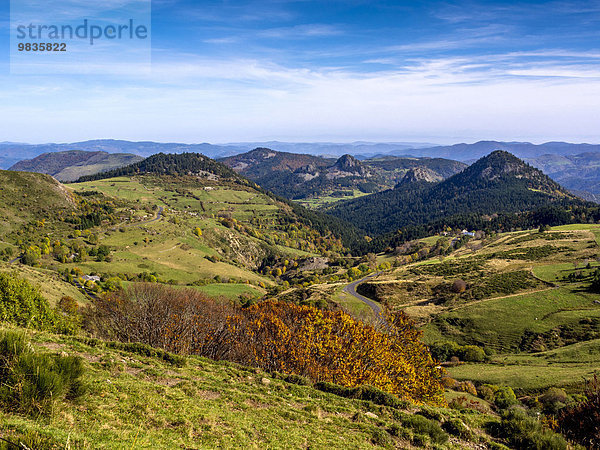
(203, 169)
(193, 164)
(71, 165)
(28, 200)
(181, 219)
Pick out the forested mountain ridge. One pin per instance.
(578, 173)
(502, 168)
(497, 183)
(172, 164)
(262, 161)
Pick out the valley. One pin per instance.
(315, 181)
(505, 296)
(300, 225)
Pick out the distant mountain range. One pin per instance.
(71, 165)
(14, 152)
(360, 150)
(573, 165)
(300, 176)
(468, 152)
(579, 173)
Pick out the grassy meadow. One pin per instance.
(136, 401)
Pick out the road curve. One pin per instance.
(158, 217)
(351, 289)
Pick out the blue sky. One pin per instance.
(225, 71)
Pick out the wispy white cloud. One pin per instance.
(222, 40)
(557, 72)
(481, 75)
(302, 31)
(198, 99)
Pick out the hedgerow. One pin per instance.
(277, 337)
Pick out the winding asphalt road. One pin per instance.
(351, 289)
(158, 217)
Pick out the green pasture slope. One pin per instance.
(547, 337)
(132, 400)
(168, 246)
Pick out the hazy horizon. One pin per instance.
(307, 142)
(327, 71)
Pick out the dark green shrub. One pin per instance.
(431, 414)
(146, 350)
(487, 392)
(381, 437)
(423, 426)
(457, 427)
(31, 382)
(421, 440)
(505, 397)
(554, 399)
(396, 430)
(333, 388)
(379, 397)
(525, 432)
(367, 393)
(444, 351)
(297, 379)
(22, 304)
(472, 353)
(71, 370)
(595, 285)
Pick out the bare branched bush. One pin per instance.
(178, 320)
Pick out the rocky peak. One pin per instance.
(501, 163)
(417, 174)
(262, 153)
(348, 163)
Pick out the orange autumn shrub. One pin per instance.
(318, 344)
(333, 346)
